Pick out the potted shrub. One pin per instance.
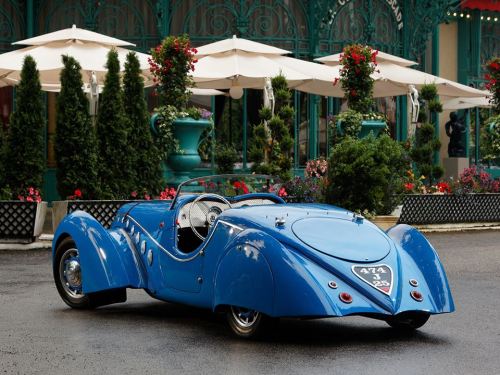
(178, 127)
(358, 63)
(492, 133)
(23, 162)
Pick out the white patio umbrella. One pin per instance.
(88, 48)
(396, 76)
(465, 103)
(381, 56)
(238, 63)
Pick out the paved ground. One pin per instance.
(40, 335)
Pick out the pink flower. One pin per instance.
(282, 192)
(133, 194)
(29, 199)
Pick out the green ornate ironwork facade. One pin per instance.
(307, 28)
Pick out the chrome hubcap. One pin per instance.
(70, 273)
(244, 317)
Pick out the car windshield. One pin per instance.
(229, 185)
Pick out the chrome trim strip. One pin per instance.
(200, 251)
(231, 225)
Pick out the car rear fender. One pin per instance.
(260, 273)
(107, 257)
(416, 246)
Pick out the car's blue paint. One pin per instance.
(107, 260)
(248, 260)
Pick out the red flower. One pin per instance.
(409, 186)
(282, 192)
(444, 187)
(336, 80)
(78, 193)
(237, 185)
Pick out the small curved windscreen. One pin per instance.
(230, 185)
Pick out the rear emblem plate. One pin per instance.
(378, 276)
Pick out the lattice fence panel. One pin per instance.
(17, 220)
(441, 209)
(103, 211)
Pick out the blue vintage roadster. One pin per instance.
(228, 244)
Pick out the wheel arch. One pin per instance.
(106, 259)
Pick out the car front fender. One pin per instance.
(107, 258)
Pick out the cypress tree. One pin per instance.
(115, 155)
(146, 159)
(25, 155)
(75, 142)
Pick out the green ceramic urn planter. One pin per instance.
(367, 127)
(188, 132)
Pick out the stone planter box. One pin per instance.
(21, 222)
(103, 210)
(385, 222)
(447, 209)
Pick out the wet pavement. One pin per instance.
(39, 334)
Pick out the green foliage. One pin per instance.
(435, 106)
(171, 62)
(350, 123)
(271, 139)
(358, 63)
(366, 174)
(426, 143)
(422, 153)
(75, 140)
(25, 159)
(225, 157)
(493, 82)
(490, 139)
(428, 92)
(3, 151)
(145, 157)
(115, 157)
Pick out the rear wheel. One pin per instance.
(408, 321)
(248, 323)
(68, 279)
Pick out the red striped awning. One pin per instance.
(492, 5)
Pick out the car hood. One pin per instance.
(327, 229)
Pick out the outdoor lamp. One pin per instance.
(236, 92)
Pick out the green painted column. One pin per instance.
(296, 123)
(476, 140)
(30, 20)
(313, 126)
(245, 127)
(435, 71)
(163, 18)
(212, 146)
(467, 133)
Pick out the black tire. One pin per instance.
(70, 288)
(408, 321)
(249, 324)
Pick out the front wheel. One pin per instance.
(68, 278)
(408, 321)
(68, 275)
(248, 323)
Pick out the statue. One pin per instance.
(94, 94)
(454, 130)
(415, 109)
(269, 95)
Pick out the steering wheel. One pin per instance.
(210, 213)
